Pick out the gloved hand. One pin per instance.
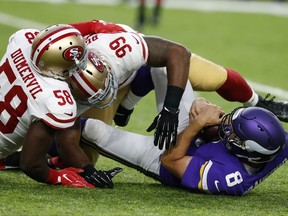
(68, 177)
(165, 125)
(122, 116)
(100, 178)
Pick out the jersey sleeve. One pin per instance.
(125, 52)
(24, 37)
(127, 48)
(98, 26)
(55, 106)
(59, 117)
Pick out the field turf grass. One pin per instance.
(255, 45)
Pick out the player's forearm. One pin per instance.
(38, 170)
(69, 148)
(74, 157)
(176, 161)
(183, 143)
(33, 156)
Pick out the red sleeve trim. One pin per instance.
(96, 26)
(68, 122)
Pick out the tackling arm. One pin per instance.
(69, 149)
(73, 155)
(176, 58)
(176, 160)
(35, 147)
(33, 159)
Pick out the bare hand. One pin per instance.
(197, 106)
(209, 115)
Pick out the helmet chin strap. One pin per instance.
(53, 75)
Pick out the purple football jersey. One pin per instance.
(214, 170)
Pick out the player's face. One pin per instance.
(227, 134)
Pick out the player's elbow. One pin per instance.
(167, 161)
(172, 166)
(26, 167)
(181, 52)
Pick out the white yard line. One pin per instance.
(278, 9)
(278, 92)
(17, 22)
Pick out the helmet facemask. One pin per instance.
(96, 85)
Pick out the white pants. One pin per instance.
(135, 150)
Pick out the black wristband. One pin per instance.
(173, 96)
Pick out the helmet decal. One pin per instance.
(72, 53)
(96, 62)
(44, 44)
(251, 145)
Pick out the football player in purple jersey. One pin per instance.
(251, 146)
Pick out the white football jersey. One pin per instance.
(124, 52)
(26, 96)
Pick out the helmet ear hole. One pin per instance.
(89, 72)
(66, 72)
(260, 128)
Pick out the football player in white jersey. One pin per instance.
(37, 105)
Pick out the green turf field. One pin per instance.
(254, 45)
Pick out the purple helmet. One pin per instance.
(253, 134)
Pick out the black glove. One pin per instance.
(100, 178)
(165, 125)
(122, 116)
